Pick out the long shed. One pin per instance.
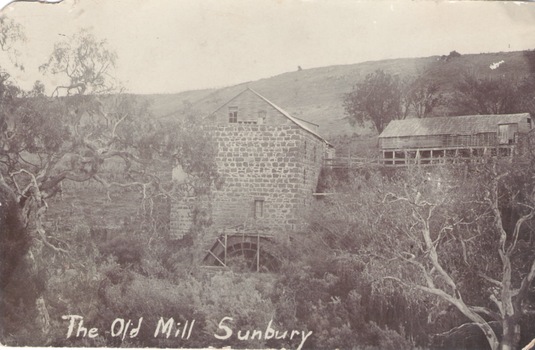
(451, 136)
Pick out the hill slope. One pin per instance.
(316, 94)
(311, 94)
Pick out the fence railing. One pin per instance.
(400, 158)
(349, 162)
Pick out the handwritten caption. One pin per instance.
(169, 328)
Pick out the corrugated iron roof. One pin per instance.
(461, 125)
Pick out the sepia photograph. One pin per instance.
(270, 174)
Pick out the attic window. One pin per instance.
(261, 116)
(233, 114)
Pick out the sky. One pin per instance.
(168, 46)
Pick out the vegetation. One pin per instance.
(377, 99)
(437, 258)
(82, 133)
(460, 244)
(383, 97)
(486, 96)
(317, 94)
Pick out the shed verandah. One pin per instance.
(452, 139)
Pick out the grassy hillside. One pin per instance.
(316, 94)
(312, 94)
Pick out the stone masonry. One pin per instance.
(270, 164)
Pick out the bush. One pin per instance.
(206, 300)
(127, 249)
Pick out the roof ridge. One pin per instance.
(227, 102)
(462, 116)
(460, 125)
(289, 116)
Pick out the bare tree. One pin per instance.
(434, 232)
(467, 240)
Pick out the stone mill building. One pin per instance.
(270, 163)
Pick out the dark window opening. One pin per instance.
(258, 209)
(233, 115)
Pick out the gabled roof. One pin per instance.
(295, 120)
(462, 125)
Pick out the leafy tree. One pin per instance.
(423, 98)
(485, 96)
(15, 272)
(378, 100)
(81, 133)
(10, 33)
(86, 62)
(527, 93)
(88, 136)
(324, 287)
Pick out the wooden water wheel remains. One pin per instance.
(244, 252)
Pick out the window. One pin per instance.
(258, 208)
(233, 114)
(261, 116)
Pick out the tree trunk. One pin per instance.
(510, 334)
(33, 211)
(490, 335)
